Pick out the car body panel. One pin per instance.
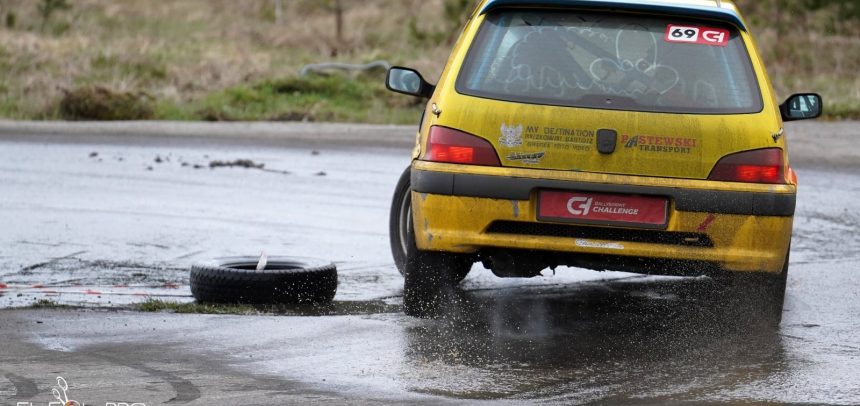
(738, 240)
(459, 224)
(566, 135)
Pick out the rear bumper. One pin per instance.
(739, 230)
(517, 188)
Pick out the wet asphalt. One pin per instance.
(101, 223)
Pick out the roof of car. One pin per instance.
(714, 9)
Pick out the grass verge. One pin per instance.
(338, 98)
(237, 60)
(48, 304)
(330, 309)
(153, 305)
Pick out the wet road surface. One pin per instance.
(122, 225)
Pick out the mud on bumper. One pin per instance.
(707, 230)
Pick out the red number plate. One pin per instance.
(599, 208)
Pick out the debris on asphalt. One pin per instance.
(242, 163)
(320, 173)
(94, 154)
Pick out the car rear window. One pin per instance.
(611, 61)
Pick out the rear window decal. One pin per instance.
(697, 35)
(607, 62)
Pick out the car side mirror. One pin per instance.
(801, 106)
(408, 81)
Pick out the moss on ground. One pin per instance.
(47, 304)
(329, 309)
(99, 103)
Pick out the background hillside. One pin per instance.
(239, 60)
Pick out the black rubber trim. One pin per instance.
(509, 188)
(600, 233)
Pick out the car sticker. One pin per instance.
(697, 35)
(511, 136)
(526, 158)
(650, 143)
(544, 138)
(595, 244)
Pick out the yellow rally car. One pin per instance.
(640, 136)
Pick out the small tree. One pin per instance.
(336, 7)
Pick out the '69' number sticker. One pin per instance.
(697, 35)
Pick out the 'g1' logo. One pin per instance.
(718, 37)
(579, 206)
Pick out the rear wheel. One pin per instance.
(762, 293)
(429, 277)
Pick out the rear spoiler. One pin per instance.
(683, 10)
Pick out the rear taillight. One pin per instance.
(759, 166)
(456, 147)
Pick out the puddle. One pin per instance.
(78, 282)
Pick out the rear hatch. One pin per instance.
(609, 92)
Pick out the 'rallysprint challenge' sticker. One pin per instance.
(697, 35)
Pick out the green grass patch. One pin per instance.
(98, 103)
(47, 304)
(328, 309)
(337, 98)
(842, 110)
(153, 305)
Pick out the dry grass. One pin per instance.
(809, 51)
(191, 55)
(182, 50)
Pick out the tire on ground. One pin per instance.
(429, 277)
(761, 294)
(401, 237)
(400, 210)
(284, 281)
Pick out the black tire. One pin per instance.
(399, 219)
(283, 281)
(428, 287)
(763, 294)
(429, 277)
(400, 224)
